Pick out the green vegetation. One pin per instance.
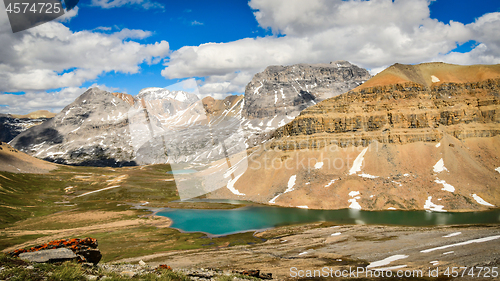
(133, 242)
(34, 205)
(24, 196)
(15, 269)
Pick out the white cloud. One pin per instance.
(68, 15)
(218, 85)
(108, 4)
(36, 100)
(132, 34)
(51, 56)
(485, 31)
(195, 22)
(371, 34)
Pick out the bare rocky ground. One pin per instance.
(349, 246)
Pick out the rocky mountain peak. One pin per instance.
(286, 90)
(154, 93)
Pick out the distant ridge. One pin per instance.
(14, 161)
(36, 114)
(428, 74)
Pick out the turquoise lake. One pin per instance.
(223, 222)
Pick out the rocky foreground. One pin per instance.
(82, 256)
(316, 246)
(292, 251)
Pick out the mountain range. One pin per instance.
(96, 128)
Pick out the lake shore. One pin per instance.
(316, 246)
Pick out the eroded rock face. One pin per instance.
(398, 114)
(400, 144)
(287, 90)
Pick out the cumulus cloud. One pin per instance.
(371, 34)
(195, 22)
(51, 56)
(108, 4)
(68, 15)
(218, 85)
(37, 100)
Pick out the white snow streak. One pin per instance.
(102, 189)
(439, 167)
(356, 165)
(452, 234)
(272, 201)
(353, 193)
(318, 165)
(481, 200)
(230, 185)
(330, 183)
(446, 186)
(479, 240)
(291, 183)
(433, 207)
(386, 261)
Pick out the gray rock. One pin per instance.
(90, 255)
(128, 274)
(52, 255)
(91, 277)
(93, 130)
(287, 90)
(11, 126)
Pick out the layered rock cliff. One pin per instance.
(400, 113)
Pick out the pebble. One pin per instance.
(128, 273)
(91, 277)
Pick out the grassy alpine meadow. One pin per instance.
(69, 203)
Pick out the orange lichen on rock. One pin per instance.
(164, 267)
(75, 244)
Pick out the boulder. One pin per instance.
(52, 255)
(82, 250)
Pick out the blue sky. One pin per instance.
(181, 23)
(127, 45)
